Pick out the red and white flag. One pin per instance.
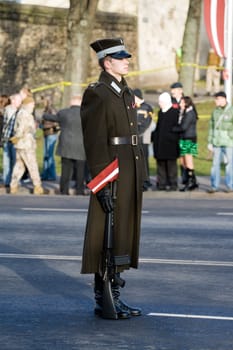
(215, 21)
(108, 174)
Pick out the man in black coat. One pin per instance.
(110, 131)
(70, 146)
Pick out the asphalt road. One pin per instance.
(184, 284)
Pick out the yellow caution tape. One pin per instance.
(63, 84)
(195, 65)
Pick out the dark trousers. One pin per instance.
(167, 174)
(68, 168)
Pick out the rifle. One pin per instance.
(110, 263)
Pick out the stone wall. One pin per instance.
(33, 44)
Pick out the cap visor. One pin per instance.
(120, 54)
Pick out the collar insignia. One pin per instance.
(115, 87)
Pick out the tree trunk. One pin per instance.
(80, 23)
(190, 46)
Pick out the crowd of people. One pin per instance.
(18, 142)
(171, 135)
(174, 141)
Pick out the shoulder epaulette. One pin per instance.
(94, 85)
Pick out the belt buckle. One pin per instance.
(134, 140)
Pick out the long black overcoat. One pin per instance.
(108, 110)
(165, 140)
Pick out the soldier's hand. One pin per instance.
(105, 199)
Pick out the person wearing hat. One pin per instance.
(109, 123)
(25, 144)
(176, 94)
(220, 142)
(166, 144)
(146, 126)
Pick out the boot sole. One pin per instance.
(120, 316)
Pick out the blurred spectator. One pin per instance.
(50, 131)
(145, 126)
(188, 142)
(213, 74)
(165, 144)
(220, 142)
(26, 92)
(9, 153)
(4, 101)
(176, 94)
(70, 146)
(25, 144)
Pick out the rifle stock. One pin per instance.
(109, 310)
(110, 263)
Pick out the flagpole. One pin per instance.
(228, 62)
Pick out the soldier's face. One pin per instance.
(117, 67)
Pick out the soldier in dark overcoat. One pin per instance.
(109, 125)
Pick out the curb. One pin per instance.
(26, 189)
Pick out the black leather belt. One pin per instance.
(132, 140)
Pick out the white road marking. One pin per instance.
(55, 209)
(65, 210)
(40, 256)
(225, 214)
(187, 262)
(207, 317)
(142, 260)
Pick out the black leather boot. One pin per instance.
(121, 305)
(121, 313)
(98, 290)
(134, 311)
(192, 182)
(185, 179)
(184, 175)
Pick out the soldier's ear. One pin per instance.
(107, 62)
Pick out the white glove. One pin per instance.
(210, 147)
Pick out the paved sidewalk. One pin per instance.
(204, 185)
